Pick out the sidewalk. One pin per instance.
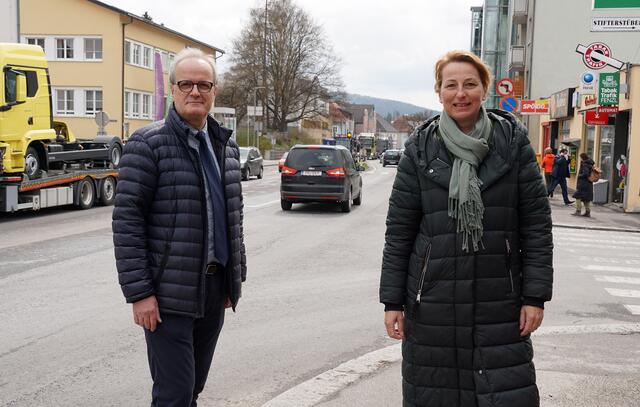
(384, 387)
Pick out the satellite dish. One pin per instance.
(102, 119)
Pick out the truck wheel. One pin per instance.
(115, 154)
(32, 164)
(107, 191)
(86, 193)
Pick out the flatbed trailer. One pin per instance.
(79, 187)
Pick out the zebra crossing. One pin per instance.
(613, 257)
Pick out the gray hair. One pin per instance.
(188, 53)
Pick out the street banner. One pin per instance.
(538, 106)
(159, 90)
(609, 89)
(596, 118)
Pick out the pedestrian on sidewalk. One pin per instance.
(467, 262)
(559, 175)
(547, 167)
(584, 187)
(177, 232)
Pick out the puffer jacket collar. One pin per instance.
(434, 158)
(179, 127)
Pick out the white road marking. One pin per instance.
(619, 292)
(324, 385)
(634, 309)
(618, 279)
(613, 269)
(262, 204)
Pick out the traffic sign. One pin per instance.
(509, 104)
(595, 118)
(504, 87)
(598, 55)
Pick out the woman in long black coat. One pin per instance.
(467, 264)
(584, 187)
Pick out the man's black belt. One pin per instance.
(213, 268)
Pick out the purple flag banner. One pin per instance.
(159, 105)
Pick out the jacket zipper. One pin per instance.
(424, 273)
(508, 259)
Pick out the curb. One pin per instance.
(600, 228)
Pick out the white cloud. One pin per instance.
(388, 48)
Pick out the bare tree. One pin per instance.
(300, 67)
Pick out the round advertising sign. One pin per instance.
(590, 56)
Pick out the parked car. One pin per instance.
(391, 157)
(282, 160)
(320, 173)
(251, 162)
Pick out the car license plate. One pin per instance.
(312, 173)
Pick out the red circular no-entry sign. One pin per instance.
(590, 56)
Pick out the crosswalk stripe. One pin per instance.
(617, 292)
(622, 243)
(597, 267)
(618, 279)
(634, 309)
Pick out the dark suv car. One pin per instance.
(390, 157)
(319, 173)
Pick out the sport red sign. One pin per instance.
(595, 118)
(539, 106)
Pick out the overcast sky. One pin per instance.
(388, 48)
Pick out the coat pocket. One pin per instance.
(163, 264)
(510, 285)
(423, 273)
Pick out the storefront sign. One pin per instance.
(608, 109)
(600, 4)
(596, 118)
(588, 82)
(615, 24)
(609, 89)
(538, 106)
(560, 104)
(590, 100)
(597, 55)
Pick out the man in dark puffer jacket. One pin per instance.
(178, 234)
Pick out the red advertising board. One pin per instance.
(539, 106)
(596, 118)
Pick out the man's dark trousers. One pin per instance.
(181, 349)
(562, 181)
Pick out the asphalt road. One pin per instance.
(309, 303)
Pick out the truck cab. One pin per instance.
(31, 143)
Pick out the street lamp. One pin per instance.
(255, 102)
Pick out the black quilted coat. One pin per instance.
(159, 219)
(584, 187)
(462, 345)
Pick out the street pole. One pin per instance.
(255, 112)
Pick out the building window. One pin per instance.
(93, 48)
(36, 41)
(64, 102)
(64, 48)
(135, 105)
(127, 52)
(146, 57)
(146, 106)
(127, 103)
(93, 102)
(137, 48)
(165, 61)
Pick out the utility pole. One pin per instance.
(265, 111)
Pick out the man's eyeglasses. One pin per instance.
(187, 86)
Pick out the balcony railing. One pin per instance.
(520, 11)
(516, 58)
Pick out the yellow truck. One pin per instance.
(42, 164)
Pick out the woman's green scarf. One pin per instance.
(468, 150)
